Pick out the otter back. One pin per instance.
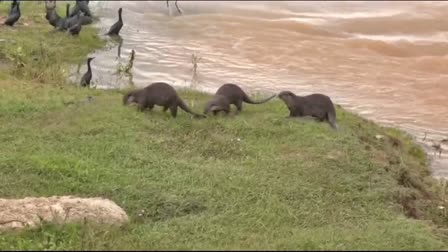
(236, 96)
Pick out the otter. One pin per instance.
(318, 106)
(235, 95)
(158, 93)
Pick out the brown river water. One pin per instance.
(386, 61)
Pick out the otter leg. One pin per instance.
(215, 112)
(319, 119)
(165, 108)
(173, 110)
(239, 106)
(141, 107)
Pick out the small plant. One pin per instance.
(17, 57)
(195, 60)
(127, 68)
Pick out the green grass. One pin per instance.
(254, 181)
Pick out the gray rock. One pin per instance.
(32, 212)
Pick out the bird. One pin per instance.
(87, 77)
(14, 14)
(62, 24)
(13, 4)
(76, 27)
(85, 20)
(81, 6)
(52, 15)
(115, 28)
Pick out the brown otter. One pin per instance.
(157, 93)
(234, 95)
(318, 106)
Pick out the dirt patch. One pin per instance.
(33, 212)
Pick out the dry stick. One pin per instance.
(175, 3)
(177, 7)
(7, 222)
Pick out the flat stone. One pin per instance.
(33, 212)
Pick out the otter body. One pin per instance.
(318, 106)
(232, 94)
(158, 93)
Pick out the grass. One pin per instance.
(255, 181)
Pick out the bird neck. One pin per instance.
(119, 17)
(89, 69)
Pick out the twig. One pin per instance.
(175, 3)
(177, 7)
(7, 222)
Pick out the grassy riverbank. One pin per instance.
(254, 181)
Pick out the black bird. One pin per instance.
(62, 24)
(115, 28)
(75, 28)
(72, 20)
(81, 6)
(52, 16)
(13, 5)
(14, 14)
(85, 20)
(87, 77)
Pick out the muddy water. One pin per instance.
(387, 61)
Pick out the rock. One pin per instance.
(379, 137)
(32, 212)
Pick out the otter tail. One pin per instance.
(332, 120)
(185, 108)
(246, 99)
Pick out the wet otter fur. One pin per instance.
(158, 93)
(318, 106)
(229, 94)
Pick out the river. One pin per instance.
(386, 61)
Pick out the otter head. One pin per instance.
(285, 95)
(129, 99)
(209, 107)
